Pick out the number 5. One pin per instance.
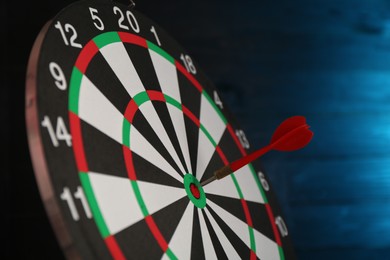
(98, 22)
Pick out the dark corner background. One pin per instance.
(328, 60)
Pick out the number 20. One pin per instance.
(130, 19)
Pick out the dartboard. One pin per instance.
(123, 127)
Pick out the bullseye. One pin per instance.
(194, 191)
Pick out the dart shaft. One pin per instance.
(234, 166)
(223, 172)
(211, 179)
(219, 174)
(253, 156)
(291, 135)
(249, 158)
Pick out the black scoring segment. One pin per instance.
(137, 240)
(168, 218)
(103, 77)
(190, 98)
(214, 164)
(142, 125)
(163, 113)
(192, 137)
(241, 248)
(189, 94)
(143, 64)
(214, 238)
(148, 172)
(233, 206)
(103, 154)
(197, 250)
(229, 147)
(259, 217)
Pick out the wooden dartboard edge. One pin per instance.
(38, 156)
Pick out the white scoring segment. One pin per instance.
(177, 118)
(156, 196)
(205, 152)
(116, 201)
(265, 247)
(117, 57)
(96, 110)
(227, 246)
(153, 119)
(224, 187)
(208, 247)
(239, 227)
(181, 241)
(245, 179)
(143, 148)
(214, 124)
(167, 76)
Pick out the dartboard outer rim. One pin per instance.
(37, 154)
(36, 149)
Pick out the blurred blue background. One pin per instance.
(328, 60)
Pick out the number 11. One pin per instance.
(66, 195)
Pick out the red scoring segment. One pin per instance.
(86, 55)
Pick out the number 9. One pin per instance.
(58, 75)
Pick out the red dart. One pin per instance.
(292, 134)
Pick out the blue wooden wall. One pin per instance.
(328, 60)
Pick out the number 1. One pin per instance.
(153, 30)
(217, 100)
